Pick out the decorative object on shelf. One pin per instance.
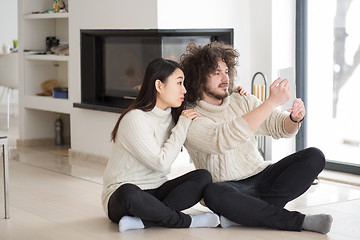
(15, 43)
(58, 5)
(53, 46)
(59, 131)
(50, 43)
(47, 87)
(5, 48)
(60, 92)
(15, 46)
(34, 52)
(61, 50)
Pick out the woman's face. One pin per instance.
(172, 92)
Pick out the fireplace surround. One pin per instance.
(113, 61)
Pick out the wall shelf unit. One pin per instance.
(46, 15)
(38, 113)
(47, 104)
(46, 57)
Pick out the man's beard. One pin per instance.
(217, 96)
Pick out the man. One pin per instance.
(247, 190)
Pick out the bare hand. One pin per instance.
(189, 113)
(279, 92)
(242, 91)
(298, 110)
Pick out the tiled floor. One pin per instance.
(54, 197)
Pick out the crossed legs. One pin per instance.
(161, 206)
(260, 200)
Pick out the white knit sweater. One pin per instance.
(222, 142)
(147, 143)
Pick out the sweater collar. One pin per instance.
(158, 112)
(214, 108)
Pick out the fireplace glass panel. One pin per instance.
(124, 63)
(173, 47)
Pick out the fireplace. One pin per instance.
(113, 61)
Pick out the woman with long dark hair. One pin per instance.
(147, 138)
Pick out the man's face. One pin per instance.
(217, 85)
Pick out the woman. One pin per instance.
(136, 192)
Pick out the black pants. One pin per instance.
(260, 199)
(161, 206)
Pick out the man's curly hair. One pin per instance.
(200, 61)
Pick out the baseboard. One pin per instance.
(88, 157)
(73, 154)
(39, 142)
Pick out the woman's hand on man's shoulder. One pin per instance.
(189, 113)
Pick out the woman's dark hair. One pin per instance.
(158, 68)
(200, 61)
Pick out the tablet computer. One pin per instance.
(289, 74)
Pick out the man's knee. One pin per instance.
(317, 158)
(212, 194)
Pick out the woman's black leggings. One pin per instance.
(163, 205)
(260, 199)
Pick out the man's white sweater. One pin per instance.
(147, 143)
(222, 142)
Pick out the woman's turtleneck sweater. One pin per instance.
(146, 145)
(222, 142)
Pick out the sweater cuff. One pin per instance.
(184, 121)
(285, 133)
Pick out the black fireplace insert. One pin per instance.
(113, 61)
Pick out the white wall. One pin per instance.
(254, 38)
(8, 32)
(261, 40)
(283, 56)
(90, 130)
(271, 47)
(8, 23)
(212, 14)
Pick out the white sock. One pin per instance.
(207, 219)
(224, 222)
(128, 223)
(318, 223)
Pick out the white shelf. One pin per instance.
(37, 113)
(47, 104)
(46, 15)
(46, 57)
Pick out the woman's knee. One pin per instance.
(205, 176)
(317, 158)
(121, 201)
(201, 177)
(127, 193)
